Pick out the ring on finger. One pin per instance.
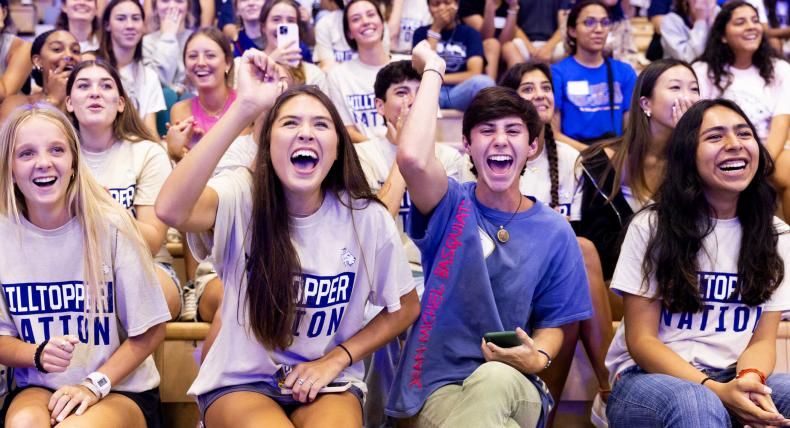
(300, 381)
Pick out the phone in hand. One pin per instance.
(503, 339)
(332, 387)
(286, 35)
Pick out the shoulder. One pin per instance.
(181, 110)
(700, 68)
(622, 68)
(565, 151)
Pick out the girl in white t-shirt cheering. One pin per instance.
(67, 243)
(301, 244)
(121, 154)
(739, 64)
(703, 274)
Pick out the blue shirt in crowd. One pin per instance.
(581, 95)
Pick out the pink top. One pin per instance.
(205, 121)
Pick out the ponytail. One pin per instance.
(550, 146)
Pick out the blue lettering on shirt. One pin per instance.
(454, 55)
(343, 56)
(58, 308)
(322, 303)
(598, 98)
(363, 110)
(124, 197)
(719, 299)
(564, 209)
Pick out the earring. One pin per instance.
(647, 113)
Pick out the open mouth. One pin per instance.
(499, 163)
(367, 31)
(44, 181)
(203, 73)
(304, 160)
(732, 166)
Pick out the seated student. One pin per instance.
(79, 18)
(622, 175)
(497, 23)
(551, 176)
(494, 260)
(261, 232)
(251, 34)
(539, 37)
(331, 47)
(81, 311)
(351, 82)
(712, 223)
(14, 56)
(592, 92)
(739, 64)
(405, 17)
(53, 54)
(124, 158)
(164, 47)
(122, 46)
(685, 30)
(462, 50)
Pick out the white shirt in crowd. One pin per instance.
(716, 336)
(351, 90)
(415, 15)
(142, 85)
(536, 181)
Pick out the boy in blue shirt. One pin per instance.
(494, 260)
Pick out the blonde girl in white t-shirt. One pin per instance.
(303, 218)
(120, 151)
(66, 242)
(703, 274)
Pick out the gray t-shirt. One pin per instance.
(345, 264)
(42, 278)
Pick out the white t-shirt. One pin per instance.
(315, 76)
(377, 158)
(330, 43)
(346, 263)
(351, 90)
(241, 153)
(536, 181)
(42, 278)
(415, 15)
(142, 85)
(716, 336)
(759, 101)
(133, 173)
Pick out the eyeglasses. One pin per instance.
(591, 22)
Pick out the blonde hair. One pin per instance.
(97, 213)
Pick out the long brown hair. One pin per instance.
(630, 149)
(105, 44)
(272, 289)
(127, 124)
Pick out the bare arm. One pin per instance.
(207, 13)
(150, 122)
(393, 23)
(778, 135)
(391, 193)
(18, 69)
(355, 134)
(526, 358)
(152, 229)
(131, 353)
(417, 161)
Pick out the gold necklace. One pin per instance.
(502, 235)
(208, 112)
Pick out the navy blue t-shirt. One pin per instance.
(659, 7)
(581, 95)
(456, 47)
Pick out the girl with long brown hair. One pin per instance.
(301, 245)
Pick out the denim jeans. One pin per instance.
(641, 399)
(460, 96)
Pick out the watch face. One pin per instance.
(102, 382)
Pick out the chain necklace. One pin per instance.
(502, 235)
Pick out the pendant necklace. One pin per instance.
(502, 235)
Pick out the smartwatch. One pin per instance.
(101, 382)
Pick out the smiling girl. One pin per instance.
(123, 22)
(740, 65)
(303, 218)
(703, 274)
(123, 158)
(78, 17)
(80, 342)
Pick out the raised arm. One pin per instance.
(425, 177)
(184, 201)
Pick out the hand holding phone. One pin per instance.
(288, 43)
(503, 339)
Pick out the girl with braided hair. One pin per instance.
(551, 176)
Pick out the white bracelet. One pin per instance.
(434, 35)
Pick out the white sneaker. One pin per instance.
(598, 413)
(189, 306)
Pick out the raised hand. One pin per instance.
(423, 57)
(179, 137)
(172, 21)
(261, 81)
(679, 107)
(56, 355)
(290, 55)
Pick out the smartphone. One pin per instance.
(287, 34)
(332, 387)
(503, 339)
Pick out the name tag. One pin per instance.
(578, 87)
(486, 242)
(499, 22)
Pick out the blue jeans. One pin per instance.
(460, 96)
(641, 399)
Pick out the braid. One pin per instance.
(551, 153)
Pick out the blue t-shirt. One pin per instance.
(458, 44)
(475, 284)
(659, 7)
(244, 42)
(581, 95)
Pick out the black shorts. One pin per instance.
(147, 401)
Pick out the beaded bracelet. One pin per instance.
(37, 357)
(743, 372)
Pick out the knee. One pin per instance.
(689, 396)
(480, 81)
(27, 417)
(491, 46)
(500, 379)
